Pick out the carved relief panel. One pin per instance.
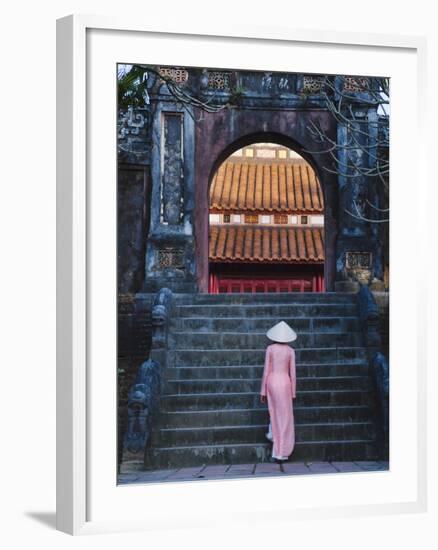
(359, 266)
(312, 84)
(172, 182)
(170, 258)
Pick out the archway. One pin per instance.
(327, 186)
(266, 216)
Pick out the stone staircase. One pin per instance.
(210, 407)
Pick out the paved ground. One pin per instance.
(249, 470)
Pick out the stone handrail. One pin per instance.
(144, 395)
(160, 318)
(369, 317)
(370, 322)
(380, 369)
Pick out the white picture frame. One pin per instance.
(88, 499)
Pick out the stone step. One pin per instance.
(225, 385)
(250, 400)
(237, 340)
(210, 411)
(179, 287)
(262, 324)
(359, 368)
(221, 417)
(276, 311)
(220, 435)
(266, 297)
(254, 356)
(245, 453)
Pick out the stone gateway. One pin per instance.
(244, 199)
(170, 151)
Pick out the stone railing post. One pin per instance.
(369, 317)
(161, 313)
(380, 369)
(144, 395)
(370, 321)
(143, 402)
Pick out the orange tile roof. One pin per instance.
(271, 243)
(266, 187)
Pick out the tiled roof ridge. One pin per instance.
(266, 243)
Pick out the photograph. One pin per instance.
(253, 273)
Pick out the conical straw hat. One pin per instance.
(281, 332)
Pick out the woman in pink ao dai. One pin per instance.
(279, 386)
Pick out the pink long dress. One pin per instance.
(279, 385)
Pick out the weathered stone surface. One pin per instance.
(371, 465)
(185, 474)
(182, 150)
(173, 182)
(146, 477)
(321, 467)
(347, 467)
(166, 160)
(241, 470)
(210, 407)
(268, 469)
(291, 468)
(133, 142)
(142, 406)
(132, 229)
(218, 472)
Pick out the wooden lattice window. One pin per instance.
(251, 218)
(227, 218)
(280, 218)
(304, 220)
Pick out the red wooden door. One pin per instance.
(225, 285)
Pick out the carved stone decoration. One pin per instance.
(132, 135)
(358, 260)
(218, 80)
(312, 84)
(358, 265)
(131, 122)
(178, 75)
(160, 317)
(171, 258)
(142, 405)
(355, 84)
(172, 163)
(144, 395)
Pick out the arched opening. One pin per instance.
(266, 221)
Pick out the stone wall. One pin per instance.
(133, 199)
(134, 343)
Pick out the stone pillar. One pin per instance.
(170, 260)
(358, 247)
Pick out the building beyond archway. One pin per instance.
(266, 214)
